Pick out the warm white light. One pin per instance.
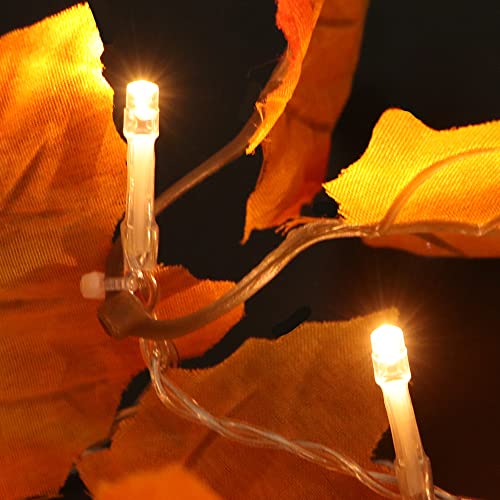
(141, 128)
(392, 374)
(389, 355)
(142, 99)
(388, 344)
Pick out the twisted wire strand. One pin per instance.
(178, 401)
(297, 240)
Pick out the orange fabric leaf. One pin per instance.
(62, 190)
(316, 383)
(302, 112)
(180, 294)
(296, 18)
(170, 483)
(442, 187)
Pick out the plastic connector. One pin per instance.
(94, 285)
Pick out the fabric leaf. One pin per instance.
(62, 191)
(181, 294)
(170, 483)
(427, 191)
(315, 383)
(301, 104)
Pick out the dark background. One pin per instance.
(437, 59)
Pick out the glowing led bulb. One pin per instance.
(392, 374)
(141, 106)
(141, 128)
(388, 343)
(389, 354)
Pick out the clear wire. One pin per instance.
(296, 242)
(159, 360)
(309, 234)
(230, 152)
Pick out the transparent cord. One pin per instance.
(160, 356)
(231, 151)
(296, 242)
(302, 237)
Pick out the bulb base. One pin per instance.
(415, 483)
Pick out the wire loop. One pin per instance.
(147, 289)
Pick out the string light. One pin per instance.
(139, 233)
(139, 230)
(392, 374)
(161, 356)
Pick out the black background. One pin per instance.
(437, 59)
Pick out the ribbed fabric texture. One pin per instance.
(302, 110)
(315, 383)
(167, 483)
(463, 189)
(62, 191)
(182, 294)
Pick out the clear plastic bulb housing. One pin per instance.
(141, 128)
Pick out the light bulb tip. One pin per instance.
(142, 94)
(388, 343)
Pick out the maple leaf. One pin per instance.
(427, 191)
(62, 192)
(61, 195)
(301, 103)
(169, 483)
(315, 383)
(295, 113)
